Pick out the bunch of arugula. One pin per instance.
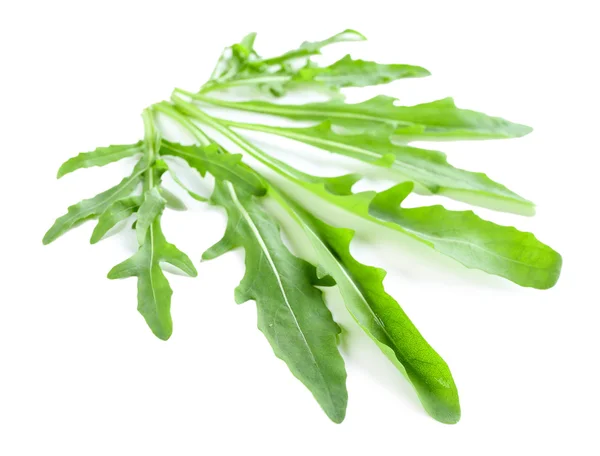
(291, 310)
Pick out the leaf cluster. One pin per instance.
(286, 287)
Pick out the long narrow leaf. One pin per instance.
(348, 72)
(100, 157)
(154, 291)
(440, 119)
(428, 169)
(291, 311)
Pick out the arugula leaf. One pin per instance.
(100, 157)
(154, 291)
(462, 235)
(343, 73)
(440, 119)
(429, 169)
(379, 315)
(476, 243)
(348, 72)
(291, 311)
(94, 207)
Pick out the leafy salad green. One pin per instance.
(285, 285)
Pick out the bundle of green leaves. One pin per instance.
(292, 313)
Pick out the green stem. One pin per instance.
(368, 155)
(150, 131)
(295, 111)
(272, 163)
(151, 146)
(229, 104)
(168, 109)
(280, 59)
(264, 79)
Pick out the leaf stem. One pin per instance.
(168, 109)
(295, 111)
(272, 163)
(152, 144)
(262, 79)
(216, 101)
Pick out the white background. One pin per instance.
(81, 374)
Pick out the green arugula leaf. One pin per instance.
(461, 235)
(348, 72)
(440, 119)
(100, 157)
(118, 211)
(476, 243)
(291, 311)
(379, 315)
(94, 207)
(428, 169)
(343, 73)
(154, 291)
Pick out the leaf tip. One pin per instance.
(522, 130)
(338, 419)
(166, 335)
(356, 36)
(336, 412)
(49, 237)
(554, 274)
